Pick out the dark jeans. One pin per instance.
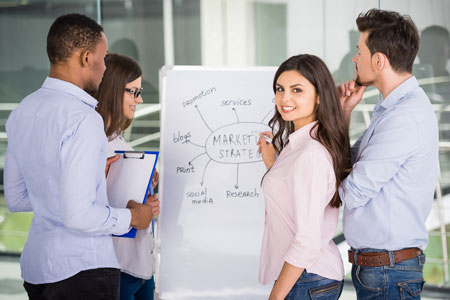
(95, 284)
(134, 288)
(313, 286)
(403, 280)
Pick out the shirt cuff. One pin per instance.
(123, 220)
(350, 195)
(299, 258)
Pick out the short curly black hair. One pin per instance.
(71, 32)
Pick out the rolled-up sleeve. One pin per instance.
(80, 179)
(309, 181)
(392, 142)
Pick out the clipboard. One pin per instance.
(130, 178)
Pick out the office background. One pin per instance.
(235, 33)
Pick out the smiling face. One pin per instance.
(296, 98)
(129, 102)
(363, 60)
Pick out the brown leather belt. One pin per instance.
(379, 259)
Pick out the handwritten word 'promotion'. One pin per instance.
(202, 94)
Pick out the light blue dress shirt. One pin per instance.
(55, 167)
(389, 193)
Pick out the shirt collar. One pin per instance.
(302, 134)
(69, 88)
(403, 89)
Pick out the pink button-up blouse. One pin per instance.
(300, 224)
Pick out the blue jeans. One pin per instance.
(133, 288)
(402, 280)
(313, 286)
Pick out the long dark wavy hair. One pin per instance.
(332, 130)
(120, 70)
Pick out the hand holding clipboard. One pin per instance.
(143, 214)
(130, 178)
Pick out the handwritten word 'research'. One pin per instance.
(242, 194)
(198, 97)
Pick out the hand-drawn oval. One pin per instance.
(235, 143)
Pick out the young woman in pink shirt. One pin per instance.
(307, 160)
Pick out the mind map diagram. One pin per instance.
(232, 143)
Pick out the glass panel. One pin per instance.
(186, 32)
(433, 271)
(270, 33)
(23, 68)
(135, 29)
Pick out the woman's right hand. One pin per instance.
(266, 149)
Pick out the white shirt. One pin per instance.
(389, 193)
(55, 167)
(135, 255)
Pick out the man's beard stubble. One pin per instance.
(358, 79)
(91, 91)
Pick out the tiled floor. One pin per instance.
(11, 284)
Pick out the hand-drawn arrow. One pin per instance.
(235, 112)
(236, 186)
(196, 107)
(190, 162)
(204, 171)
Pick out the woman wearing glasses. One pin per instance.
(118, 95)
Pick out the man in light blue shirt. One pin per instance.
(55, 167)
(389, 193)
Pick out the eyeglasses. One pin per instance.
(135, 92)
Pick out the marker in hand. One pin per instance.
(267, 135)
(267, 138)
(266, 148)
